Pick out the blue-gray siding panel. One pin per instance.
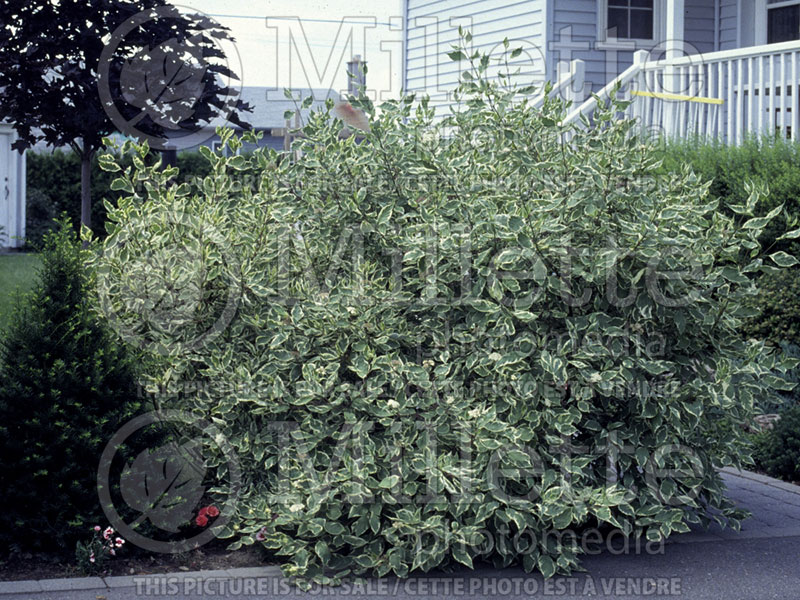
(575, 24)
(698, 24)
(728, 35)
(575, 36)
(570, 28)
(432, 29)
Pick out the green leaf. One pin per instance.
(122, 184)
(384, 216)
(334, 528)
(107, 162)
(790, 235)
(461, 555)
(546, 566)
(518, 457)
(360, 366)
(782, 259)
(485, 306)
(389, 481)
(321, 549)
(761, 222)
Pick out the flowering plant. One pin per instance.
(205, 514)
(91, 556)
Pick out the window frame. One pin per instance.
(768, 6)
(626, 42)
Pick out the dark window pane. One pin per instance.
(618, 2)
(642, 24)
(618, 18)
(783, 24)
(642, 4)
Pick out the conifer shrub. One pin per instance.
(66, 386)
(777, 451)
(450, 337)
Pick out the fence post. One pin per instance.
(638, 102)
(577, 87)
(573, 76)
(674, 47)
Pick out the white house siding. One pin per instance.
(12, 191)
(432, 29)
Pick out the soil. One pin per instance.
(209, 557)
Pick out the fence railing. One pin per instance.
(721, 95)
(570, 83)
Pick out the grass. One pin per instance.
(17, 274)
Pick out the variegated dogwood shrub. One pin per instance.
(436, 341)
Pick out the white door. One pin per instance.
(7, 199)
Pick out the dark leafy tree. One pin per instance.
(75, 71)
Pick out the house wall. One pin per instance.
(12, 191)
(570, 26)
(574, 36)
(575, 24)
(432, 29)
(698, 24)
(728, 25)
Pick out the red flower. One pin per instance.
(212, 511)
(202, 512)
(201, 520)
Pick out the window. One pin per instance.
(783, 21)
(630, 19)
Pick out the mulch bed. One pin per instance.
(209, 557)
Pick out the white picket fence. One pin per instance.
(725, 96)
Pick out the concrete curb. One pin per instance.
(71, 584)
(126, 581)
(776, 483)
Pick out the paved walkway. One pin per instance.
(760, 562)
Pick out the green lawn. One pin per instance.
(17, 273)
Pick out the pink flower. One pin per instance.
(119, 542)
(261, 536)
(108, 533)
(201, 520)
(113, 553)
(97, 527)
(91, 558)
(212, 511)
